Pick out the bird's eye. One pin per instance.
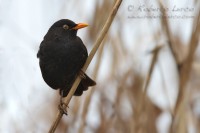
(65, 27)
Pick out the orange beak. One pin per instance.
(79, 26)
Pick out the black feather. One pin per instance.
(62, 54)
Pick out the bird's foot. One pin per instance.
(63, 107)
(82, 74)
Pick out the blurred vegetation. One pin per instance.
(123, 104)
(139, 57)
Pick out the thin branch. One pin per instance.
(153, 62)
(67, 99)
(95, 48)
(89, 97)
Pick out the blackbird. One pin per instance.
(61, 55)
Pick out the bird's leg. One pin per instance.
(82, 74)
(62, 106)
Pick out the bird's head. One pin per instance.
(66, 27)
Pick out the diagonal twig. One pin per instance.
(89, 97)
(67, 99)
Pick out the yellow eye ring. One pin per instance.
(66, 27)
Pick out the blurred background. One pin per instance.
(147, 69)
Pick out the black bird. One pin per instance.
(61, 55)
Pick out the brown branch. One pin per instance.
(67, 99)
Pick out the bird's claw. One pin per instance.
(63, 107)
(82, 74)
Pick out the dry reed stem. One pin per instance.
(119, 122)
(185, 74)
(89, 97)
(140, 109)
(156, 37)
(165, 89)
(179, 114)
(95, 48)
(154, 59)
(166, 28)
(67, 99)
(98, 24)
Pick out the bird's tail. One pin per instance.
(84, 84)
